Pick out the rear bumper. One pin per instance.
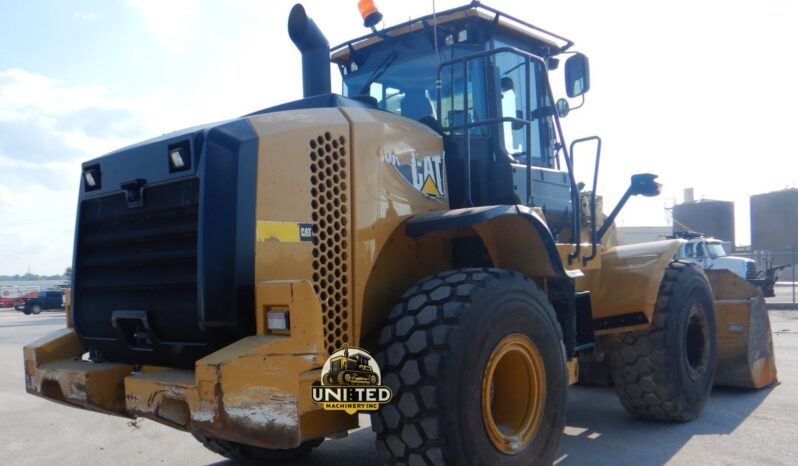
(256, 391)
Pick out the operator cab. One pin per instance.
(479, 78)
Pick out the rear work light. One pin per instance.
(179, 156)
(92, 178)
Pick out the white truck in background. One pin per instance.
(710, 254)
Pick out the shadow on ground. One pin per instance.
(357, 450)
(600, 431)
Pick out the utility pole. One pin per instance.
(792, 269)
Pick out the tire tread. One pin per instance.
(408, 428)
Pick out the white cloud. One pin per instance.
(85, 15)
(170, 21)
(47, 128)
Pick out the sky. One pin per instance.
(700, 93)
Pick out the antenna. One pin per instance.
(437, 57)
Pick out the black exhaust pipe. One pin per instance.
(315, 52)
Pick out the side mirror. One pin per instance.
(577, 75)
(643, 184)
(563, 108)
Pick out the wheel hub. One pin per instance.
(513, 393)
(697, 342)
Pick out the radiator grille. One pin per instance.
(140, 258)
(331, 223)
(750, 270)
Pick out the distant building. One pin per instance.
(774, 221)
(635, 235)
(713, 218)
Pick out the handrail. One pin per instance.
(593, 238)
(473, 5)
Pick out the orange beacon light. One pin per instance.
(368, 10)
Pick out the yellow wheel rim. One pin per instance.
(513, 393)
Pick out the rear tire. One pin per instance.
(455, 343)
(36, 309)
(248, 453)
(594, 372)
(666, 372)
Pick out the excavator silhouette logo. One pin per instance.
(350, 382)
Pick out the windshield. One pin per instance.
(402, 79)
(715, 250)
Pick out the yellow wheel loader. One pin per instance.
(429, 215)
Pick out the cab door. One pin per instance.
(702, 256)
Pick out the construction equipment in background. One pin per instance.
(430, 216)
(710, 254)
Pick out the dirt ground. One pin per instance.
(739, 427)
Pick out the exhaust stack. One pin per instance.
(315, 51)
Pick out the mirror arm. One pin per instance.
(581, 104)
(611, 218)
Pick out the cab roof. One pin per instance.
(554, 43)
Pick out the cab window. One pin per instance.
(515, 81)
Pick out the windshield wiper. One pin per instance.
(377, 74)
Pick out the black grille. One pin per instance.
(750, 270)
(139, 259)
(331, 270)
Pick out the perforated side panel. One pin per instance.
(331, 248)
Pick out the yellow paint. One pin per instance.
(514, 244)
(585, 250)
(513, 393)
(68, 307)
(429, 188)
(572, 366)
(54, 370)
(628, 280)
(745, 356)
(280, 231)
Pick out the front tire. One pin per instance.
(475, 361)
(248, 453)
(666, 372)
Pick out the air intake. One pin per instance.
(315, 52)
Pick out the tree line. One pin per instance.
(33, 276)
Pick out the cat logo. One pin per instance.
(350, 382)
(305, 232)
(425, 173)
(288, 232)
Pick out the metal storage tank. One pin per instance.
(774, 221)
(713, 218)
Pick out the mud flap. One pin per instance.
(745, 355)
